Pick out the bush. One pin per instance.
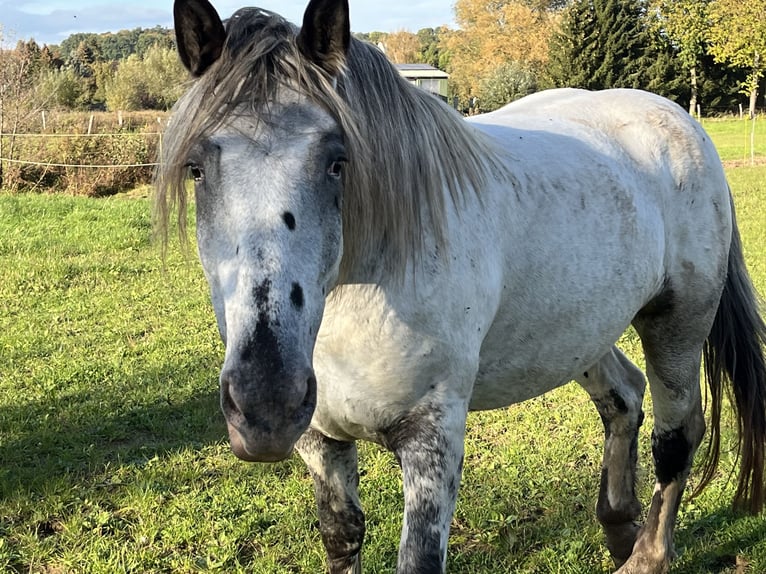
(67, 142)
(506, 83)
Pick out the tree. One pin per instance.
(17, 95)
(153, 82)
(402, 47)
(508, 82)
(432, 51)
(604, 44)
(64, 86)
(737, 35)
(685, 23)
(493, 33)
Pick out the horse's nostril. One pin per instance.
(227, 401)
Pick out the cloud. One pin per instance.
(52, 25)
(52, 21)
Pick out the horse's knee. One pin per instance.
(342, 536)
(333, 466)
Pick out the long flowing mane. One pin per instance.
(405, 145)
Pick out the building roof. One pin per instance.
(420, 71)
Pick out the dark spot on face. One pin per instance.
(261, 293)
(585, 374)
(296, 296)
(337, 203)
(289, 220)
(262, 345)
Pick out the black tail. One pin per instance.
(734, 351)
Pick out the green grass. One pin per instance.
(736, 139)
(113, 454)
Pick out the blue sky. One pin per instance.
(50, 21)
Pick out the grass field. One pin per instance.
(113, 455)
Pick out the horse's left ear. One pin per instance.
(326, 34)
(199, 34)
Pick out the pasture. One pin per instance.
(114, 458)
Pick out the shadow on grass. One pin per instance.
(717, 542)
(79, 434)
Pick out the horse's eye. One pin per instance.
(335, 169)
(196, 171)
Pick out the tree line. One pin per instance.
(696, 52)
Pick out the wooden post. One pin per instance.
(90, 124)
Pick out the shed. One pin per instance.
(426, 77)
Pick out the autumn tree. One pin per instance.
(685, 24)
(402, 47)
(493, 33)
(737, 36)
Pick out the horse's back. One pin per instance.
(643, 139)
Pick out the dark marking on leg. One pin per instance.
(661, 305)
(618, 401)
(616, 388)
(671, 451)
(620, 524)
(333, 466)
(430, 452)
(296, 296)
(289, 220)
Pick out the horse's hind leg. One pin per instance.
(672, 346)
(333, 466)
(616, 387)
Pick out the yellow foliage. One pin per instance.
(493, 33)
(402, 47)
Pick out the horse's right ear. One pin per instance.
(199, 34)
(326, 34)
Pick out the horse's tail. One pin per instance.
(734, 351)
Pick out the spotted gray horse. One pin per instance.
(379, 266)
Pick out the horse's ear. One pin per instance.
(326, 34)
(199, 34)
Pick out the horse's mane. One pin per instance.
(405, 146)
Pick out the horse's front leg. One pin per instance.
(429, 445)
(333, 466)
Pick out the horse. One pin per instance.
(379, 266)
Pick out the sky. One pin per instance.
(50, 21)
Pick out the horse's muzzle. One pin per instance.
(266, 418)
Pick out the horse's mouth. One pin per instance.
(263, 442)
(240, 449)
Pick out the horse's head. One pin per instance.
(267, 167)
